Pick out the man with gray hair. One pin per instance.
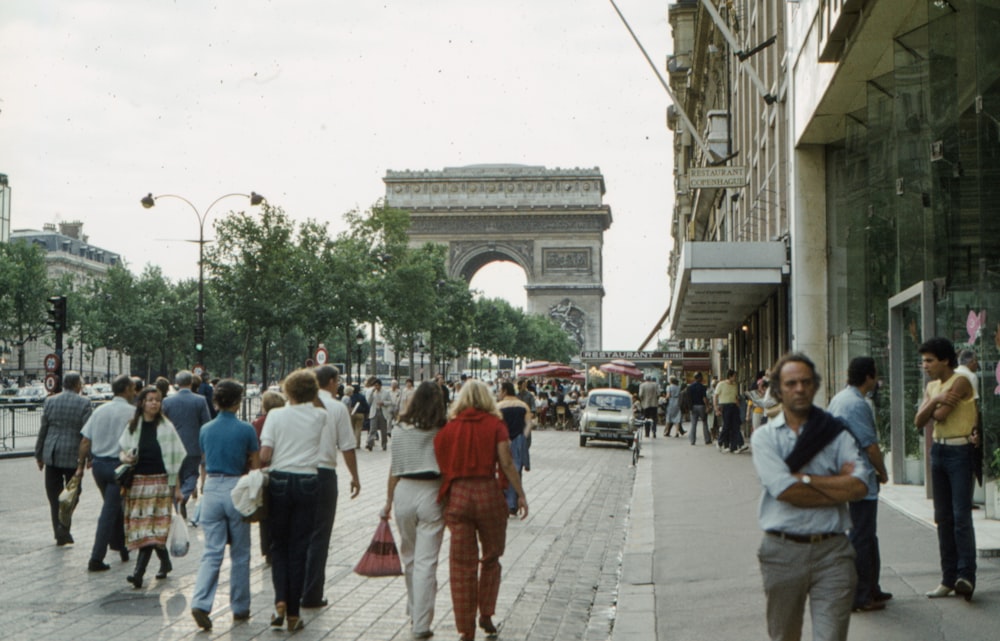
(188, 412)
(58, 444)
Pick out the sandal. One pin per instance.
(278, 618)
(295, 623)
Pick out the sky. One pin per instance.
(310, 102)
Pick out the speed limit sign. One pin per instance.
(322, 356)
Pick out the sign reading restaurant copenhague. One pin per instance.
(644, 357)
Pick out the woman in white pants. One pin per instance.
(414, 482)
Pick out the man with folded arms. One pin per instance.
(949, 404)
(810, 469)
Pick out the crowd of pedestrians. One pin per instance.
(154, 450)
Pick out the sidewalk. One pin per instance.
(690, 570)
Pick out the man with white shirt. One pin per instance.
(338, 435)
(380, 404)
(99, 447)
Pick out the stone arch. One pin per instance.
(550, 222)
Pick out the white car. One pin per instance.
(607, 416)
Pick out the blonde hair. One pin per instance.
(476, 395)
(301, 386)
(271, 400)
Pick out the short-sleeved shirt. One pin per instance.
(852, 409)
(697, 392)
(226, 442)
(105, 427)
(340, 434)
(295, 433)
(726, 392)
(774, 441)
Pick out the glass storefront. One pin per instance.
(912, 196)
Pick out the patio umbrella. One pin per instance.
(544, 368)
(620, 366)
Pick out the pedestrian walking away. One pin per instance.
(99, 450)
(850, 406)
(188, 412)
(517, 417)
(57, 448)
(727, 407)
(469, 449)
(290, 444)
(699, 412)
(949, 406)
(413, 487)
(151, 445)
(810, 468)
(338, 437)
(229, 449)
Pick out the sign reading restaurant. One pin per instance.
(699, 177)
(642, 357)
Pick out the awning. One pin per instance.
(719, 284)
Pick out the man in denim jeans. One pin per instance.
(949, 405)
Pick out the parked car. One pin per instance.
(252, 390)
(100, 392)
(607, 416)
(30, 394)
(7, 394)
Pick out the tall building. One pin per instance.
(869, 139)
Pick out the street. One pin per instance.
(560, 568)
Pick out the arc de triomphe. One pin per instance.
(551, 222)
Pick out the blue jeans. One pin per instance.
(293, 506)
(951, 476)
(222, 523)
(867, 562)
(519, 452)
(319, 539)
(698, 412)
(111, 522)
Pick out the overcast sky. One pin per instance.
(310, 102)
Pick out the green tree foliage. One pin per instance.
(25, 287)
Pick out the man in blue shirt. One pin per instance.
(810, 469)
(188, 412)
(850, 406)
(229, 449)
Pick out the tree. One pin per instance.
(254, 264)
(26, 287)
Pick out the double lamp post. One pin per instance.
(199, 328)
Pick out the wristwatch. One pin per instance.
(807, 479)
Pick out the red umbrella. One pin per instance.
(619, 366)
(547, 369)
(579, 376)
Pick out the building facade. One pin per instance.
(69, 254)
(875, 165)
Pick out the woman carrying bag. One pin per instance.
(151, 445)
(414, 483)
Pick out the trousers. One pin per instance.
(221, 522)
(111, 522)
(421, 530)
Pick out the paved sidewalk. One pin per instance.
(560, 568)
(690, 569)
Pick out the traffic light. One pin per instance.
(199, 339)
(57, 313)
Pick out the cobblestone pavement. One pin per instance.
(560, 568)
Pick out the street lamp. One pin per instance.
(199, 328)
(420, 349)
(359, 339)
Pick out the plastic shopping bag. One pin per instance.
(178, 542)
(381, 558)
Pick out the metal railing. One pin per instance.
(20, 424)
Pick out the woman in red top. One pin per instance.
(469, 448)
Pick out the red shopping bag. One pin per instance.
(381, 558)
